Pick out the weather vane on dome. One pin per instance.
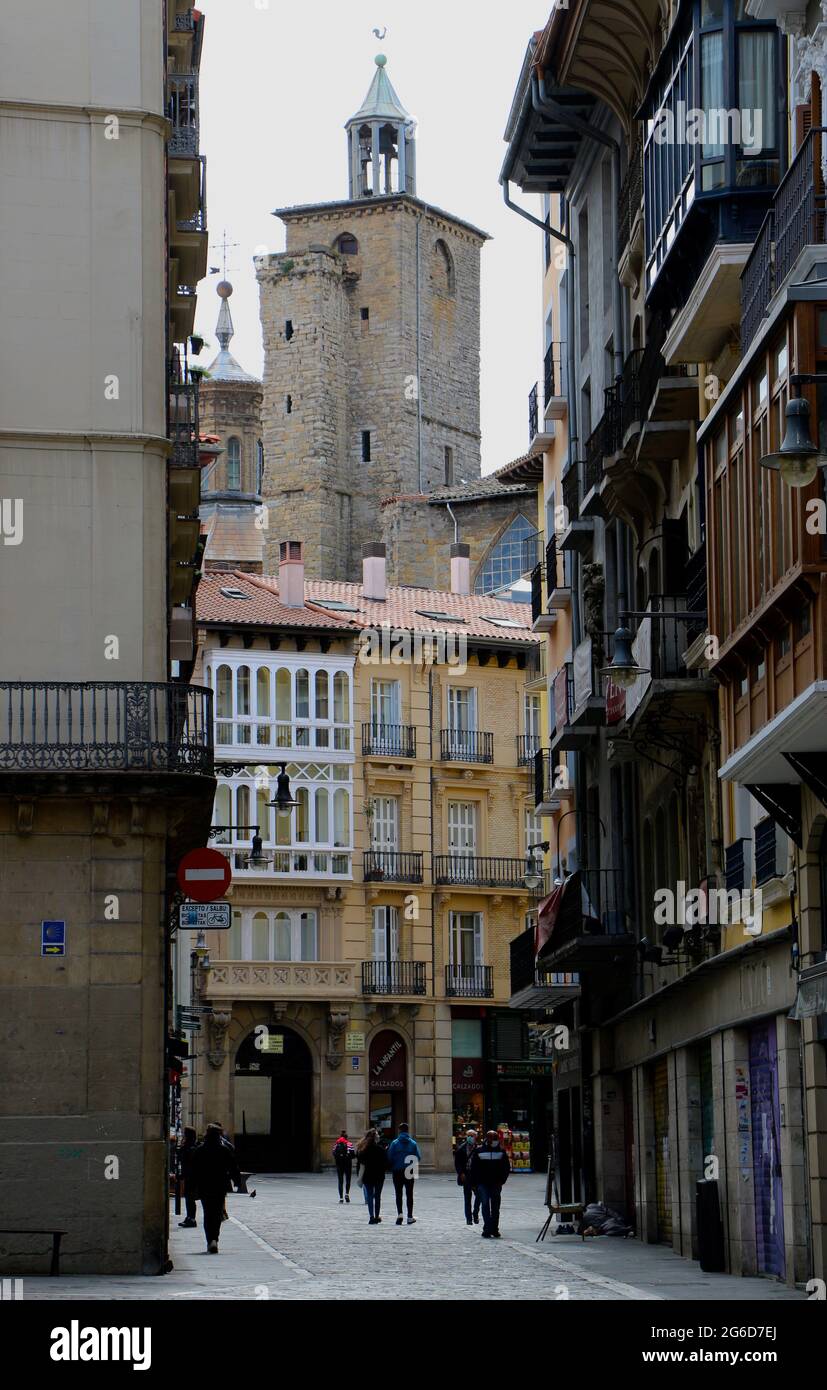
(223, 246)
(381, 36)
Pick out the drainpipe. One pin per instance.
(418, 358)
(456, 523)
(546, 107)
(571, 393)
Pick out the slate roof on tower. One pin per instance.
(381, 102)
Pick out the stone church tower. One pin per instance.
(371, 322)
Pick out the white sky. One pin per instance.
(278, 82)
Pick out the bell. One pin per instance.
(798, 460)
(623, 670)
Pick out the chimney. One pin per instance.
(291, 574)
(373, 572)
(460, 568)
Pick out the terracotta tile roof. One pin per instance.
(405, 608)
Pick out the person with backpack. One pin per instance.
(404, 1159)
(489, 1169)
(462, 1157)
(213, 1168)
(343, 1155)
(372, 1164)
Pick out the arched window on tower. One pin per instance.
(233, 464)
(503, 565)
(347, 245)
(442, 269)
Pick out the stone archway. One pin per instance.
(273, 1101)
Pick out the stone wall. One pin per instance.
(418, 535)
(340, 371)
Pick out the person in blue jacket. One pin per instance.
(403, 1160)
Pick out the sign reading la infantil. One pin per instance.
(387, 1062)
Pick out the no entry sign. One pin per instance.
(205, 875)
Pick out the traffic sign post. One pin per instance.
(205, 875)
(204, 916)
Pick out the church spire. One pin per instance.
(225, 367)
(381, 142)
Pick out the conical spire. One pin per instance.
(225, 367)
(381, 102)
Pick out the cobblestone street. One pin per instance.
(295, 1242)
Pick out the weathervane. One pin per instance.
(223, 246)
(381, 36)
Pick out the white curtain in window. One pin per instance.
(756, 90)
(712, 85)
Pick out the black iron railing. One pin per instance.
(532, 552)
(594, 904)
(183, 425)
(393, 866)
(766, 855)
(605, 440)
(527, 971)
(552, 372)
(549, 776)
(631, 196)
(184, 22)
(393, 977)
(535, 661)
(668, 638)
(630, 407)
(105, 726)
(480, 871)
(696, 591)
(735, 866)
(527, 746)
(466, 746)
(182, 111)
(796, 219)
(533, 413)
(389, 740)
(557, 567)
(536, 593)
(469, 982)
(571, 493)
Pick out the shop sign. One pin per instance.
(517, 1069)
(387, 1062)
(467, 1073)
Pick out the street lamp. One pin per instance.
(623, 670)
(799, 459)
(284, 801)
(533, 877)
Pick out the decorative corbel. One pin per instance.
(218, 1023)
(25, 816)
(337, 1022)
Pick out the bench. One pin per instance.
(574, 1211)
(56, 1235)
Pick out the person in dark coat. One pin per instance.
(185, 1152)
(213, 1166)
(343, 1155)
(462, 1157)
(489, 1169)
(372, 1161)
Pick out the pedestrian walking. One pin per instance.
(489, 1169)
(372, 1158)
(185, 1152)
(213, 1166)
(343, 1155)
(462, 1158)
(403, 1160)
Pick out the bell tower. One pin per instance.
(381, 142)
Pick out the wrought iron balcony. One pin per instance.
(552, 373)
(183, 424)
(527, 748)
(548, 777)
(393, 977)
(105, 726)
(766, 851)
(631, 197)
(592, 924)
(389, 865)
(184, 23)
(466, 746)
(571, 493)
(735, 866)
(469, 982)
(558, 570)
(532, 551)
(533, 413)
(535, 662)
(696, 589)
(182, 111)
(198, 222)
(797, 218)
(537, 608)
(388, 740)
(479, 872)
(562, 708)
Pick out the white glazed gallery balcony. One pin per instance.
(311, 842)
(268, 708)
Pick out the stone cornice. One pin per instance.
(85, 439)
(47, 111)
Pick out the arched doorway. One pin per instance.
(272, 1102)
(388, 1082)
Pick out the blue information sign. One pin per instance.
(53, 938)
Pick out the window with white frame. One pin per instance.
(302, 704)
(279, 934)
(233, 464)
(462, 720)
(385, 934)
(466, 940)
(385, 706)
(315, 838)
(533, 826)
(384, 823)
(532, 716)
(462, 829)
